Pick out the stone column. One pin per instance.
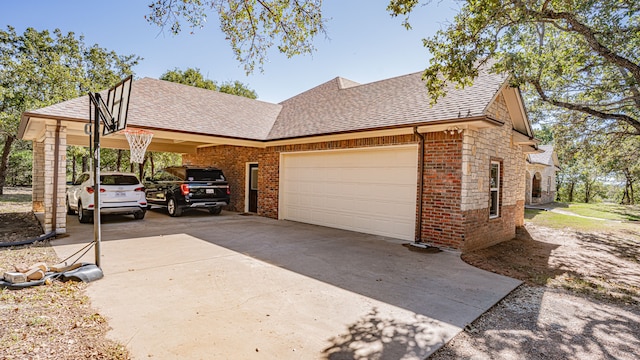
(37, 181)
(54, 187)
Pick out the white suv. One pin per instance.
(120, 193)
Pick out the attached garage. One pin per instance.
(369, 190)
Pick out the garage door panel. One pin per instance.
(368, 190)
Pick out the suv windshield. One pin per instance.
(118, 180)
(204, 175)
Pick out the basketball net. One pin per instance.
(138, 140)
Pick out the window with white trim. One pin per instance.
(494, 205)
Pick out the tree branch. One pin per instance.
(587, 110)
(589, 35)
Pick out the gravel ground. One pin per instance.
(541, 323)
(580, 299)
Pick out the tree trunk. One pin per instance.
(4, 160)
(141, 167)
(119, 160)
(85, 167)
(571, 188)
(587, 191)
(153, 166)
(625, 193)
(73, 168)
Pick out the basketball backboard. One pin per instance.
(118, 106)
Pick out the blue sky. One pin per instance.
(364, 42)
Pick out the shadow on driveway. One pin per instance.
(350, 295)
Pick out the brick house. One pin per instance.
(541, 176)
(375, 158)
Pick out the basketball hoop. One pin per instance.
(138, 140)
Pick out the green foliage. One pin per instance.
(193, 77)
(580, 56)
(19, 168)
(237, 88)
(251, 26)
(118, 160)
(545, 134)
(41, 68)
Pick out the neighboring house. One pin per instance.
(375, 158)
(541, 176)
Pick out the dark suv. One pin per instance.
(182, 187)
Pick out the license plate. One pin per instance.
(210, 191)
(120, 194)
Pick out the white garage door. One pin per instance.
(369, 190)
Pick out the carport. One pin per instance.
(173, 121)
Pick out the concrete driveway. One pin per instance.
(240, 287)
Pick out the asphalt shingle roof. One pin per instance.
(545, 157)
(339, 105)
(166, 105)
(402, 100)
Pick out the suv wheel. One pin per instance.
(215, 210)
(139, 215)
(70, 211)
(84, 216)
(173, 208)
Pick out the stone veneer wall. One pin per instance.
(37, 187)
(545, 171)
(480, 147)
(44, 182)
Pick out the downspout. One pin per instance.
(420, 185)
(56, 161)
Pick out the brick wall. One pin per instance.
(442, 218)
(232, 160)
(455, 200)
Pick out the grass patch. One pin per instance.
(599, 288)
(607, 211)
(15, 200)
(562, 221)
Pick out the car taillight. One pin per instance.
(228, 190)
(90, 190)
(139, 189)
(184, 188)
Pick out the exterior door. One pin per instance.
(253, 188)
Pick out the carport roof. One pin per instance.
(337, 106)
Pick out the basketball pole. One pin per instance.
(96, 178)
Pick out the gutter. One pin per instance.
(418, 234)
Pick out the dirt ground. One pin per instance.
(580, 299)
(51, 321)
